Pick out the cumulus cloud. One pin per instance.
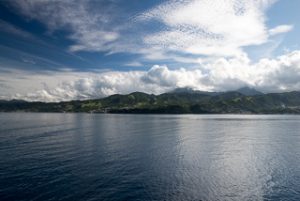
(267, 75)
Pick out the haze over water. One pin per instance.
(149, 157)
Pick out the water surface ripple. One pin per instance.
(149, 157)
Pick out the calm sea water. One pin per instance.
(149, 157)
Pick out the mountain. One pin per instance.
(247, 91)
(190, 90)
(238, 102)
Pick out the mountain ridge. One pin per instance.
(189, 102)
(248, 91)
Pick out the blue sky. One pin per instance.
(62, 50)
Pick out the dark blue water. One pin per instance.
(149, 157)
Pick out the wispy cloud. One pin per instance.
(134, 64)
(18, 58)
(90, 30)
(12, 29)
(281, 29)
(29, 61)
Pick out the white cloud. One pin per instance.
(134, 64)
(267, 75)
(210, 28)
(281, 29)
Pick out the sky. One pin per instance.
(54, 50)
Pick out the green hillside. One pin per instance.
(171, 103)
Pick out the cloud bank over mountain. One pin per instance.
(267, 75)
